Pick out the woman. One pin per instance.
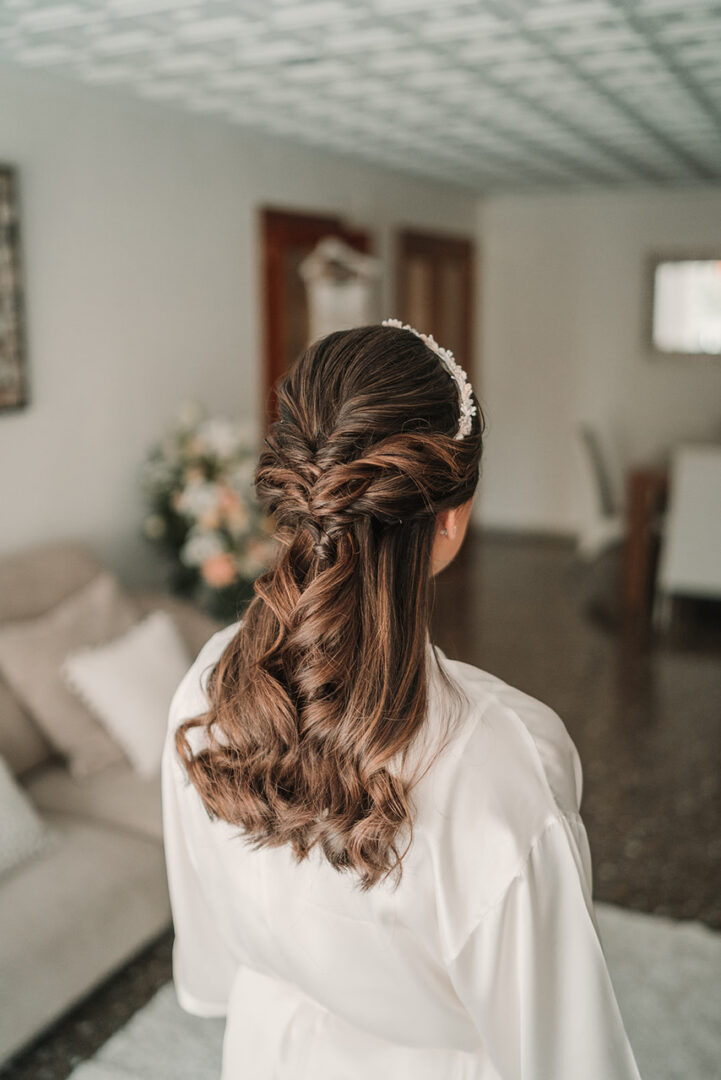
(376, 861)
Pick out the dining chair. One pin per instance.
(602, 522)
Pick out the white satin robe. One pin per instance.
(485, 964)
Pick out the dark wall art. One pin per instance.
(13, 376)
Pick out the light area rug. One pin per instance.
(667, 977)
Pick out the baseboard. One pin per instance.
(521, 535)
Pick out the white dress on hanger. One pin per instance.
(484, 964)
(341, 287)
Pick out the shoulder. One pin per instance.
(519, 729)
(509, 771)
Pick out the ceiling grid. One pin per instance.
(487, 94)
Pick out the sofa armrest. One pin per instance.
(195, 626)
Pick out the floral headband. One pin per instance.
(467, 410)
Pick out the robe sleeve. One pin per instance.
(533, 975)
(203, 968)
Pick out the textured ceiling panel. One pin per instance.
(487, 94)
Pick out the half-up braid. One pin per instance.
(325, 681)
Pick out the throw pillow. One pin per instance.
(22, 831)
(129, 683)
(32, 650)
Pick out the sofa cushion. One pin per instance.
(194, 625)
(23, 832)
(31, 581)
(128, 684)
(70, 917)
(32, 650)
(117, 796)
(22, 743)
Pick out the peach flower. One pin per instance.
(233, 510)
(227, 499)
(218, 571)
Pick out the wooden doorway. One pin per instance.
(287, 238)
(435, 290)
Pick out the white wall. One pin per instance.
(562, 289)
(141, 272)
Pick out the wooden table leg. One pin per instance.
(645, 494)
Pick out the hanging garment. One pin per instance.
(341, 287)
(484, 964)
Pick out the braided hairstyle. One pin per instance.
(325, 681)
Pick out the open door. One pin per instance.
(435, 290)
(287, 238)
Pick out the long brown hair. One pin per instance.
(325, 680)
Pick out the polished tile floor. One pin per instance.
(643, 709)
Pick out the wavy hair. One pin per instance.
(325, 681)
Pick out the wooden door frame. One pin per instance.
(431, 244)
(280, 229)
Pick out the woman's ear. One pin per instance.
(450, 531)
(447, 523)
(453, 521)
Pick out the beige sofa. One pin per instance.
(82, 907)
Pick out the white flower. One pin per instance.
(220, 436)
(157, 476)
(240, 477)
(199, 546)
(198, 498)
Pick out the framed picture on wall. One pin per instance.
(13, 377)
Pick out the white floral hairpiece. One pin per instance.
(467, 410)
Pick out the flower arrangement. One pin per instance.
(198, 484)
